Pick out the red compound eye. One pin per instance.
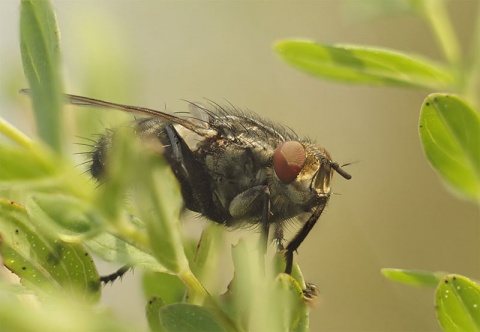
(288, 160)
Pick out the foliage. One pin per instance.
(63, 219)
(449, 126)
(49, 239)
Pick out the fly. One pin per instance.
(235, 168)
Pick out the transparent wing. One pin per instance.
(189, 124)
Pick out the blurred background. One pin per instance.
(395, 212)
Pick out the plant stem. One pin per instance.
(437, 17)
(197, 291)
(472, 67)
(14, 134)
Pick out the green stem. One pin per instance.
(197, 291)
(437, 17)
(472, 68)
(15, 135)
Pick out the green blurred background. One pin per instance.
(395, 212)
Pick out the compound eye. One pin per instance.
(288, 160)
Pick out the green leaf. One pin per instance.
(57, 313)
(166, 286)
(132, 167)
(189, 318)
(249, 264)
(33, 167)
(169, 287)
(151, 311)
(24, 166)
(158, 203)
(44, 264)
(457, 301)
(208, 253)
(413, 277)
(449, 131)
(363, 65)
(112, 248)
(279, 264)
(288, 310)
(71, 219)
(39, 42)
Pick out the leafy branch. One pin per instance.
(58, 219)
(449, 127)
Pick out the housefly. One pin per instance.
(234, 167)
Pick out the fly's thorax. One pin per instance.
(301, 173)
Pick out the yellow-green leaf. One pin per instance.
(414, 277)
(363, 65)
(450, 134)
(44, 263)
(457, 301)
(40, 48)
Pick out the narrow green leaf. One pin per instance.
(238, 301)
(39, 42)
(249, 264)
(43, 263)
(71, 219)
(189, 318)
(158, 203)
(113, 249)
(449, 131)
(363, 65)
(288, 308)
(265, 300)
(457, 301)
(208, 253)
(279, 264)
(414, 277)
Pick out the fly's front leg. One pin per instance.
(265, 220)
(278, 236)
(301, 235)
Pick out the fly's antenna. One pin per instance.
(340, 171)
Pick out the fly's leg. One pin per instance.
(114, 276)
(278, 236)
(301, 235)
(263, 245)
(265, 220)
(311, 294)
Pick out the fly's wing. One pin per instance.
(190, 124)
(200, 114)
(200, 117)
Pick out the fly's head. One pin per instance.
(303, 173)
